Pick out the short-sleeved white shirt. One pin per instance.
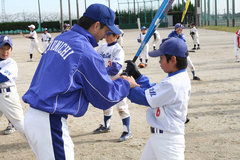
(169, 103)
(113, 53)
(8, 68)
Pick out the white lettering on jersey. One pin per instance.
(62, 48)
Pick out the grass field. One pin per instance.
(222, 28)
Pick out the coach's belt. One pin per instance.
(5, 90)
(155, 130)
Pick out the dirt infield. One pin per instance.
(213, 132)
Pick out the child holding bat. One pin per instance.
(167, 101)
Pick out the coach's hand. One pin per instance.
(132, 69)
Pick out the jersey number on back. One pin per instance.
(158, 112)
(109, 63)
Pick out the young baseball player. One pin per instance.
(46, 38)
(156, 39)
(237, 44)
(113, 56)
(178, 34)
(167, 101)
(195, 36)
(34, 41)
(10, 104)
(66, 27)
(69, 76)
(145, 49)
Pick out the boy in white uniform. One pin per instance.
(10, 104)
(195, 36)
(113, 56)
(146, 48)
(46, 38)
(156, 39)
(237, 44)
(167, 101)
(34, 41)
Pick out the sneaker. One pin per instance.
(198, 47)
(146, 64)
(125, 136)
(196, 78)
(237, 60)
(101, 129)
(9, 130)
(30, 60)
(194, 48)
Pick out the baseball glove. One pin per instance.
(141, 65)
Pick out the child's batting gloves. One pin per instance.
(132, 69)
(139, 40)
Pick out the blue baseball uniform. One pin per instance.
(70, 75)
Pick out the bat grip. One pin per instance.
(134, 59)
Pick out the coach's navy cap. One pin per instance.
(171, 46)
(103, 14)
(5, 40)
(178, 25)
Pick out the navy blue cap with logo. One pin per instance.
(178, 25)
(171, 46)
(103, 14)
(5, 40)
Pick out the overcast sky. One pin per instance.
(53, 6)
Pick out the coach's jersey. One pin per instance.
(8, 68)
(71, 74)
(169, 102)
(238, 37)
(46, 37)
(111, 53)
(194, 30)
(34, 35)
(174, 34)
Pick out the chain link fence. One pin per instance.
(220, 12)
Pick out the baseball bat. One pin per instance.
(185, 10)
(162, 11)
(139, 24)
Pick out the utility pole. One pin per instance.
(69, 13)
(198, 12)
(77, 9)
(216, 13)
(228, 13)
(39, 11)
(109, 3)
(205, 13)
(208, 12)
(233, 13)
(61, 15)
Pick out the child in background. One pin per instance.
(113, 56)
(195, 36)
(156, 39)
(34, 41)
(237, 44)
(177, 33)
(46, 38)
(146, 48)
